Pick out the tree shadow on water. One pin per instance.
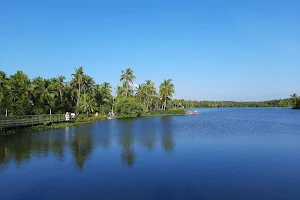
(126, 141)
(82, 147)
(167, 137)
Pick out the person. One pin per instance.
(67, 116)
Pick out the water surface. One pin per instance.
(227, 153)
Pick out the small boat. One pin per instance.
(194, 112)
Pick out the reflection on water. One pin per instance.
(83, 139)
(221, 154)
(167, 141)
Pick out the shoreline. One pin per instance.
(85, 121)
(44, 127)
(69, 124)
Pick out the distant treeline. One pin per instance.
(212, 104)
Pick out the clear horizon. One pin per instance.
(216, 50)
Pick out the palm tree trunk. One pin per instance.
(78, 99)
(84, 101)
(127, 89)
(165, 104)
(60, 94)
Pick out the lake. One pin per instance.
(222, 153)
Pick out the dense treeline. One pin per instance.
(211, 104)
(20, 95)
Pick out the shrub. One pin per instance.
(104, 109)
(128, 107)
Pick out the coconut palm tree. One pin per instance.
(166, 90)
(90, 104)
(87, 85)
(4, 85)
(22, 93)
(45, 90)
(105, 90)
(294, 97)
(60, 85)
(123, 90)
(127, 77)
(150, 92)
(120, 91)
(141, 93)
(78, 81)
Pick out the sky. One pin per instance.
(211, 49)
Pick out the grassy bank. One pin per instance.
(81, 120)
(170, 112)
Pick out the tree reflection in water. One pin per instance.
(167, 137)
(81, 140)
(126, 140)
(82, 145)
(147, 134)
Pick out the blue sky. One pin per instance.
(212, 49)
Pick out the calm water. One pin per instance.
(218, 154)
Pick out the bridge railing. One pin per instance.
(30, 120)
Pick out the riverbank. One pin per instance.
(88, 119)
(81, 120)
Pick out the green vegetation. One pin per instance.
(129, 107)
(296, 101)
(20, 95)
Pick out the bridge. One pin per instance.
(31, 120)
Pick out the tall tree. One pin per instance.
(87, 85)
(22, 94)
(4, 85)
(105, 90)
(90, 104)
(60, 85)
(78, 75)
(124, 90)
(294, 97)
(45, 90)
(166, 90)
(128, 77)
(150, 92)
